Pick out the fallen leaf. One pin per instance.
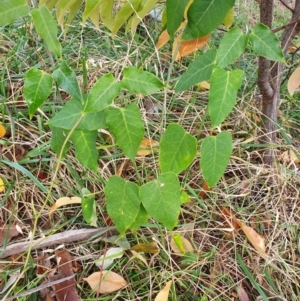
(111, 254)
(2, 187)
(184, 48)
(150, 247)
(138, 256)
(13, 230)
(105, 282)
(242, 294)
(294, 81)
(289, 157)
(180, 245)
(12, 279)
(2, 130)
(257, 241)
(164, 293)
(66, 290)
(293, 48)
(64, 201)
(203, 86)
(146, 147)
(205, 189)
(230, 218)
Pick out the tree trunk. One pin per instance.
(270, 74)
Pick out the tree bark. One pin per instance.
(270, 75)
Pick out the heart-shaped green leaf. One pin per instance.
(161, 199)
(123, 202)
(215, 155)
(177, 149)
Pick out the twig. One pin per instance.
(55, 239)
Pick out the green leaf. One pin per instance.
(175, 11)
(161, 199)
(106, 10)
(215, 155)
(127, 127)
(102, 94)
(265, 43)
(124, 14)
(137, 18)
(49, 3)
(231, 47)
(199, 70)
(67, 80)
(58, 138)
(141, 219)
(184, 197)
(37, 87)
(88, 208)
(204, 16)
(12, 10)
(68, 117)
(123, 202)
(85, 148)
(90, 7)
(72, 11)
(222, 94)
(139, 81)
(46, 27)
(177, 149)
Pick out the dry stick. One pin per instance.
(55, 239)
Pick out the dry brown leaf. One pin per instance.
(66, 290)
(180, 245)
(164, 293)
(139, 256)
(242, 294)
(257, 241)
(294, 81)
(205, 189)
(293, 48)
(105, 282)
(64, 201)
(288, 157)
(146, 147)
(230, 218)
(13, 230)
(150, 247)
(184, 48)
(2, 130)
(163, 39)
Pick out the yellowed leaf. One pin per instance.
(150, 247)
(180, 245)
(146, 147)
(287, 157)
(203, 86)
(164, 293)
(64, 201)
(139, 256)
(184, 48)
(2, 187)
(187, 8)
(105, 282)
(2, 130)
(229, 18)
(294, 81)
(257, 241)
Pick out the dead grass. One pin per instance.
(267, 199)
